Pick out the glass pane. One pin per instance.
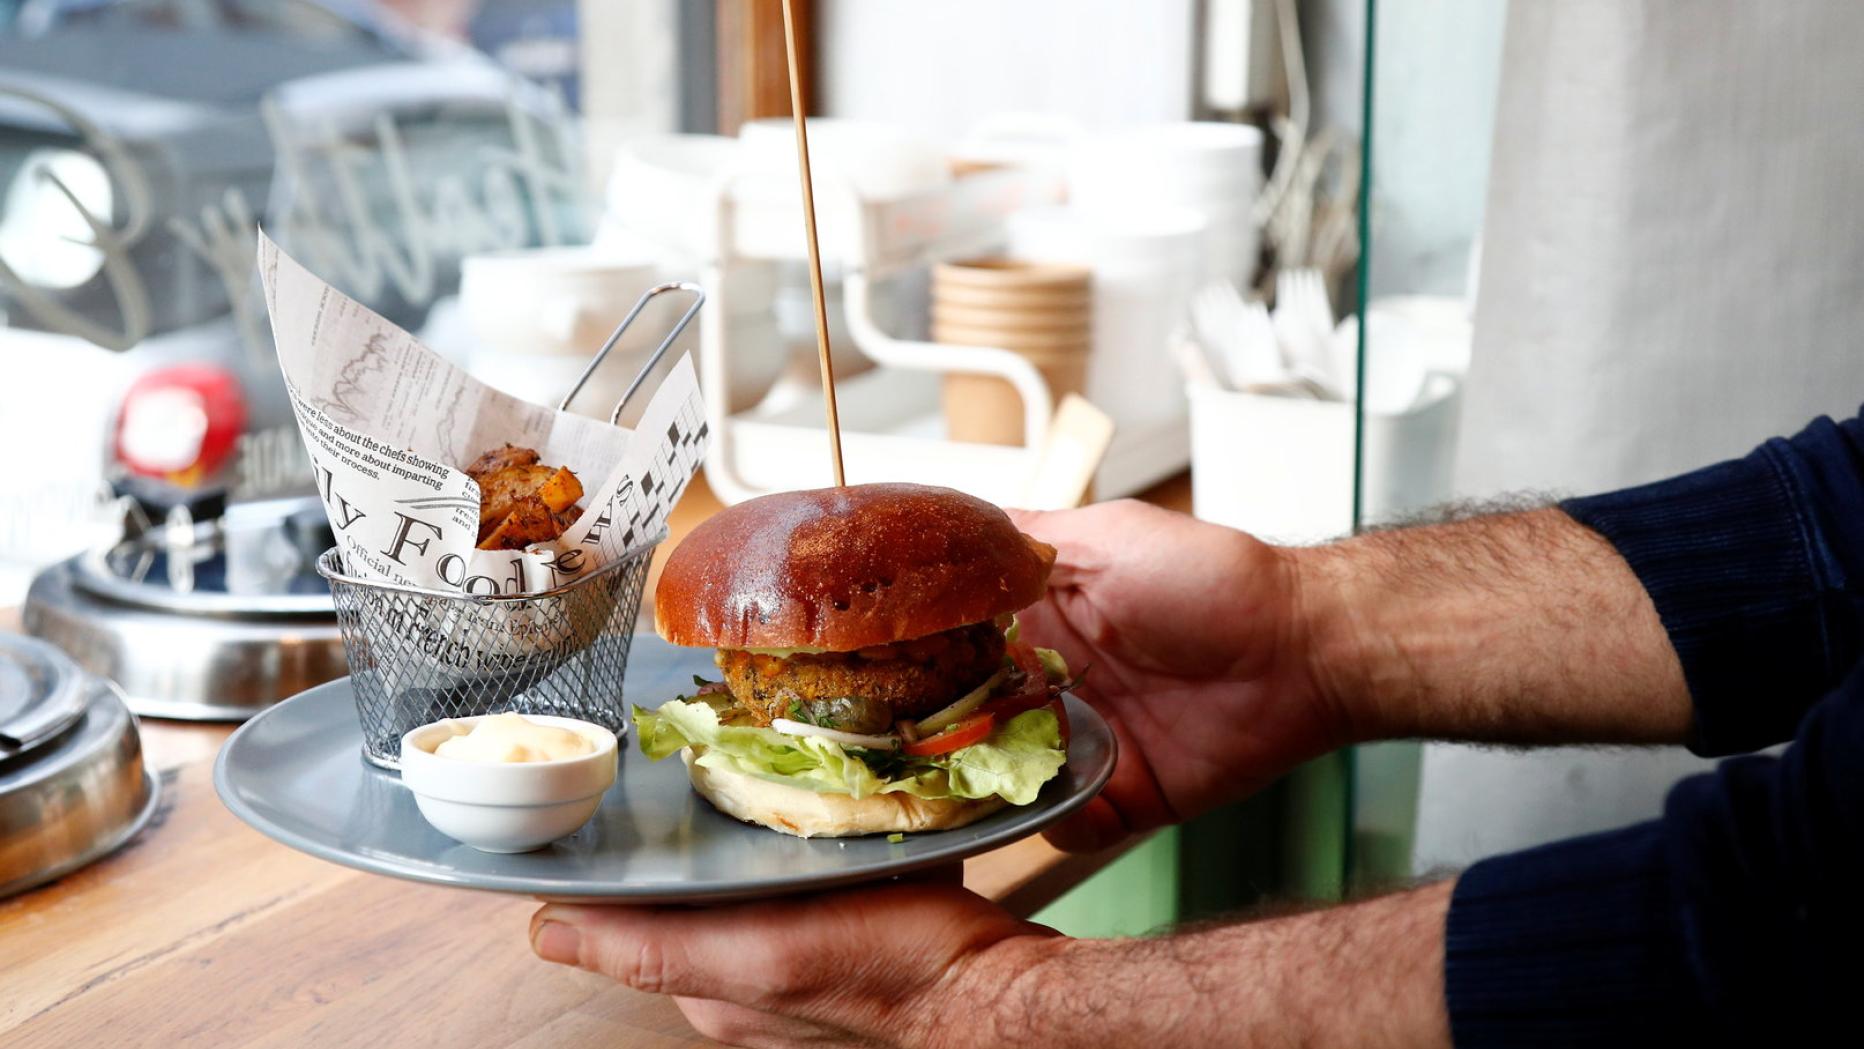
(1609, 244)
(142, 143)
(1435, 70)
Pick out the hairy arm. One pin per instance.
(932, 966)
(1368, 975)
(1521, 628)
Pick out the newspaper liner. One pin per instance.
(385, 420)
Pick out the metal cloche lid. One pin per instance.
(186, 567)
(42, 693)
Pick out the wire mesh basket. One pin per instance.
(417, 655)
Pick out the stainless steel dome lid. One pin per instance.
(75, 791)
(41, 694)
(257, 560)
(210, 620)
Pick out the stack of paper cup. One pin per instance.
(1146, 263)
(1211, 168)
(1041, 312)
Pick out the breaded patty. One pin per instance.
(909, 678)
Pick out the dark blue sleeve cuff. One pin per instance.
(1732, 556)
(1569, 944)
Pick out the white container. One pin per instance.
(666, 187)
(1212, 168)
(562, 301)
(878, 161)
(512, 807)
(1147, 263)
(1281, 468)
(538, 315)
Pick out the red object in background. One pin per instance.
(180, 423)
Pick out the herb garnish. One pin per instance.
(887, 764)
(800, 711)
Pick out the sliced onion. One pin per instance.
(958, 711)
(846, 739)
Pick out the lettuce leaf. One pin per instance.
(1013, 762)
(1053, 665)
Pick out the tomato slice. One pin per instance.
(963, 734)
(1023, 654)
(1035, 693)
(1006, 707)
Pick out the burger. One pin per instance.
(871, 673)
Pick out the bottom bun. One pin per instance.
(809, 814)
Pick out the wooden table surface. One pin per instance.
(202, 932)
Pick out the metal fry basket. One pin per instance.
(418, 655)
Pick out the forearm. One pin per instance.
(1366, 975)
(1517, 628)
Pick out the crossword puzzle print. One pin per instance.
(646, 500)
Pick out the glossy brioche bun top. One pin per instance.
(845, 568)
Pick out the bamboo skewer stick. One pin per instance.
(815, 250)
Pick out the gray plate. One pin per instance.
(295, 772)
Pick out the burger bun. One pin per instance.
(810, 814)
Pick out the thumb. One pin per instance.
(1030, 521)
(1053, 527)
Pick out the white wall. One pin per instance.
(943, 66)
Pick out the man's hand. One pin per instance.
(920, 965)
(910, 964)
(1222, 662)
(1196, 657)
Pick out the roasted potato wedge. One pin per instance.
(499, 458)
(530, 521)
(561, 491)
(502, 490)
(521, 501)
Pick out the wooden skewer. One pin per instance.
(815, 250)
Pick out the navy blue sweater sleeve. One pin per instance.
(1737, 917)
(1756, 567)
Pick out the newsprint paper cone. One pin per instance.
(390, 425)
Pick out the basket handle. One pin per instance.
(653, 358)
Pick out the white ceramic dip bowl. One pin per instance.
(507, 806)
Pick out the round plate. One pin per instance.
(296, 773)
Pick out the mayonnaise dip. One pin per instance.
(509, 738)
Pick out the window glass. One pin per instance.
(143, 143)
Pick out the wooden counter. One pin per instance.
(204, 933)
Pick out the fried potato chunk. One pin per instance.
(528, 522)
(499, 458)
(521, 501)
(561, 491)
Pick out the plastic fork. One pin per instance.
(1236, 331)
(1303, 321)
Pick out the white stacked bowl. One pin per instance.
(665, 188)
(1211, 168)
(1147, 262)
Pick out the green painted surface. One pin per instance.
(1135, 895)
(1314, 845)
(1386, 777)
